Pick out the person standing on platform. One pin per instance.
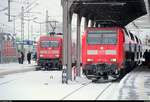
(146, 57)
(29, 57)
(22, 57)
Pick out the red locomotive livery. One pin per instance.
(109, 51)
(8, 48)
(49, 51)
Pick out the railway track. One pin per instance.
(75, 90)
(106, 88)
(84, 92)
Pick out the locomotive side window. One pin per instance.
(130, 49)
(137, 40)
(102, 37)
(126, 32)
(132, 37)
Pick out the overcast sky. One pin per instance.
(54, 11)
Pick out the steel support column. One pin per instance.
(67, 42)
(65, 33)
(78, 47)
(46, 24)
(147, 2)
(8, 10)
(69, 46)
(22, 28)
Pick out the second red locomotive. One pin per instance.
(109, 51)
(49, 51)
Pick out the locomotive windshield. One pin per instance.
(102, 37)
(46, 44)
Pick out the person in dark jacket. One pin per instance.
(146, 56)
(22, 57)
(29, 57)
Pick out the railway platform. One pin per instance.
(10, 68)
(134, 86)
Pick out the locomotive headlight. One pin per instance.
(57, 55)
(89, 60)
(113, 60)
(43, 52)
(41, 55)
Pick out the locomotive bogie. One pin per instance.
(50, 63)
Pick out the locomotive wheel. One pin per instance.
(43, 69)
(49, 68)
(38, 68)
(95, 80)
(46, 67)
(116, 74)
(105, 76)
(88, 77)
(86, 74)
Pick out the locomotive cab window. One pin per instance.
(46, 44)
(102, 37)
(53, 43)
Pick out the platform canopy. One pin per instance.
(121, 11)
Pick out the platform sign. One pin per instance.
(25, 42)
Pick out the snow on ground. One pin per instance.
(111, 93)
(135, 85)
(16, 66)
(47, 85)
(39, 85)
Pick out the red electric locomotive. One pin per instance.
(109, 51)
(49, 51)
